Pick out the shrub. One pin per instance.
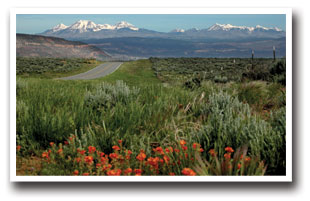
(220, 79)
(230, 123)
(107, 95)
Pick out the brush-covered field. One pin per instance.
(173, 116)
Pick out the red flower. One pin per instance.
(120, 141)
(159, 150)
(171, 174)
(98, 165)
(116, 148)
(82, 152)
(212, 152)
(113, 155)
(66, 142)
(141, 156)
(86, 174)
(239, 166)
(166, 159)
(128, 171)
(101, 154)
(59, 151)
(184, 148)
(113, 172)
(182, 142)
(88, 159)
(91, 149)
(177, 150)
(188, 172)
(169, 149)
(138, 171)
(247, 159)
(201, 150)
(227, 156)
(229, 149)
(76, 172)
(45, 155)
(196, 145)
(18, 147)
(52, 143)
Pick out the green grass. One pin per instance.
(134, 73)
(215, 115)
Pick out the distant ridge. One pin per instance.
(44, 46)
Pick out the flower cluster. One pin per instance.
(170, 160)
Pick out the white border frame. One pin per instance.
(159, 10)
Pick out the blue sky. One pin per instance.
(37, 23)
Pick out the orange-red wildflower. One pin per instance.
(88, 159)
(182, 142)
(116, 148)
(229, 149)
(239, 166)
(18, 147)
(188, 172)
(138, 171)
(91, 149)
(82, 152)
(115, 172)
(227, 156)
(59, 151)
(120, 141)
(171, 173)
(45, 155)
(127, 171)
(141, 156)
(52, 143)
(113, 155)
(169, 150)
(75, 172)
(159, 150)
(86, 174)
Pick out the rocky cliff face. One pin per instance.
(42, 46)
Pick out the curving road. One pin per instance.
(100, 71)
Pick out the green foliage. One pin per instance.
(238, 165)
(107, 95)
(230, 123)
(52, 67)
(220, 79)
(172, 69)
(142, 111)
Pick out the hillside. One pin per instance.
(43, 46)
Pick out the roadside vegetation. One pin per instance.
(173, 116)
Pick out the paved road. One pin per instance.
(100, 71)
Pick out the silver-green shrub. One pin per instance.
(107, 95)
(231, 123)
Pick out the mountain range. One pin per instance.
(123, 40)
(86, 29)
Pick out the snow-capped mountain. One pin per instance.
(83, 26)
(178, 30)
(228, 27)
(85, 29)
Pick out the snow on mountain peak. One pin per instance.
(227, 27)
(124, 24)
(59, 27)
(87, 25)
(178, 30)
